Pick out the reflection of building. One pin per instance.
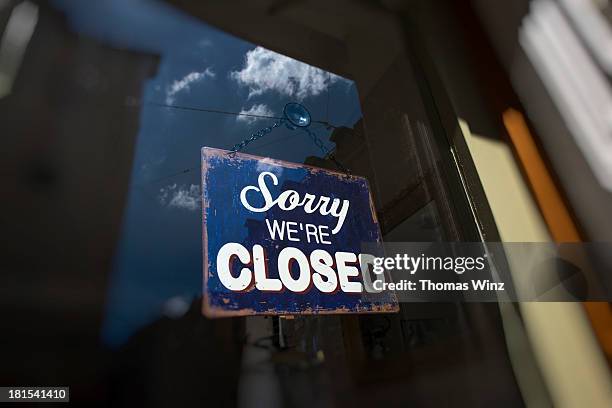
(408, 169)
(69, 127)
(403, 197)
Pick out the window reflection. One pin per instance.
(207, 89)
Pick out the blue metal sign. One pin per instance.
(283, 238)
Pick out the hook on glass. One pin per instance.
(296, 115)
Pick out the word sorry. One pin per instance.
(290, 199)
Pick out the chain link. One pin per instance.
(326, 152)
(317, 141)
(257, 135)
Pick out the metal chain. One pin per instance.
(257, 135)
(318, 142)
(327, 153)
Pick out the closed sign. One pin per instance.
(283, 238)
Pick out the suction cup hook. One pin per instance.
(296, 115)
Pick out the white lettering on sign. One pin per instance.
(316, 269)
(227, 255)
(290, 199)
